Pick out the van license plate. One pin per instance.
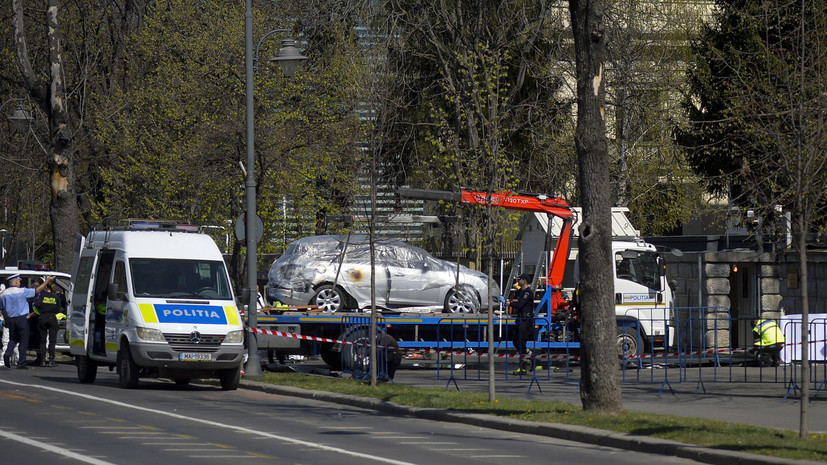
(194, 357)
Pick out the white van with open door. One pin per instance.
(154, 300)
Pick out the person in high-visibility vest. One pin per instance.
(769, 340)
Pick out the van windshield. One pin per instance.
(159, 277)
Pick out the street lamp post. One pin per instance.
(21, 116)
(3, 248)
(289, 59)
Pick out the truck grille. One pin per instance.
(194, 342)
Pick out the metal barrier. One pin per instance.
(355, 352)
(708, 345)
(703, 344)
(464, 349)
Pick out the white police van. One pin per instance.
(154, 299)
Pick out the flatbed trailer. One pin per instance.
(329, 334)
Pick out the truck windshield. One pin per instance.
(158, 277)
(638, 267)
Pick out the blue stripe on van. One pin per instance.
(183, 313)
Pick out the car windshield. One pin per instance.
(642, 268)
(157, 277)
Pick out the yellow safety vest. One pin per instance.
(768, 333)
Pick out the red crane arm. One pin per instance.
(514, 201)
(518, 201)
(505, 199)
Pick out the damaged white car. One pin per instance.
(333, 273)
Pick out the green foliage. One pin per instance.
(756, 104)
(178, 136)
(645, 76)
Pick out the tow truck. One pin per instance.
(556, 318)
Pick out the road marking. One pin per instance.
(430, 443)
(56, 450)
(175, 444)
(459, 450)
(344, 427)
(216, 424)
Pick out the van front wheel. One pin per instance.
(230, 379)
(127, 369)
(87, 369)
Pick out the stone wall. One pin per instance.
(789, 282)
(703, 287)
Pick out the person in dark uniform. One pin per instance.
(48, 303)
(522, 308)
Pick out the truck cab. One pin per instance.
(644, 302)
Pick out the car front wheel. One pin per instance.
(464, 300)
(329, 299)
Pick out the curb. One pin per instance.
(582, 434)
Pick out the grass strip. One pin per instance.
(699, 431)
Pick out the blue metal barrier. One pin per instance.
(355, 353)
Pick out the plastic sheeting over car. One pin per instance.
(334, 273)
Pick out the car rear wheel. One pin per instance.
(464, 300)
(329, 299)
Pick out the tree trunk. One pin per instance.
(51, 97)
(804, 382)
(600, 386)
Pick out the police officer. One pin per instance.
(522, 307)
(48, 304)
(14, 302)
(769, 339)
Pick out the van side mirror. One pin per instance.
(114, 292)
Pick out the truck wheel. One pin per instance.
(356, 355)
(127, 369)
(329, 299)
(627, 344)
(464, 300)
(331, 358)
(230, 378)
(87, 369)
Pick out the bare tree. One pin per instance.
(646, 61)
(50, 96)
(600, 386)
(758, 105)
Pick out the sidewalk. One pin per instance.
(750, 403)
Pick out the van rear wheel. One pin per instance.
(87, 369)
(127, 369)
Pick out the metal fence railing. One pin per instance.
(704, 345)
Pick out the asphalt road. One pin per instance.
(46, 416)
(738, 394)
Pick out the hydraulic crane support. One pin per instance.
(518, 201)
